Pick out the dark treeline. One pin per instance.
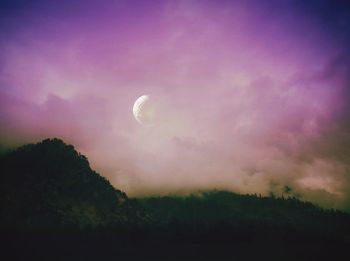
(55, 207)
(211, 209)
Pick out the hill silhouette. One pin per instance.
(215, 208)
(50, 184)
(55, 207)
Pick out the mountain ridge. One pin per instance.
(54, 206)
(51, 184)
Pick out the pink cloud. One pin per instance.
(242, 96)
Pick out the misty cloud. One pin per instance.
(244, 100)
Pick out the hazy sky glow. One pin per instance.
(249, 96)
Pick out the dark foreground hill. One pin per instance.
(50, 184)
(55, 207)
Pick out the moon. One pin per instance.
(143, 110)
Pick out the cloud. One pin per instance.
(244, 100)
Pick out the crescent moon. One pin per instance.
(141, 113)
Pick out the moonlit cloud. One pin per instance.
(249, 96)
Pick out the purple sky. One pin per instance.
(249, 96)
